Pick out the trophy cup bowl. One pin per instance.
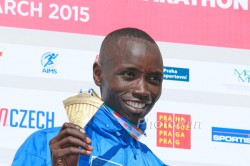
(81, 108)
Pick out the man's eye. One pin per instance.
(129, 74)
(155, 80)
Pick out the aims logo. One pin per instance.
(49, 61)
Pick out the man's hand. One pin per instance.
(68, 144)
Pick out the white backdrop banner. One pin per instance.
(47, 49)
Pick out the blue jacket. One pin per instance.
(112, 146)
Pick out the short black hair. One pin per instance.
(131, 32)
(134, 32)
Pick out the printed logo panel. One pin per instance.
(165, 130)
(176, 74)
(243, 76)
(48, 62)
(173, 130)
(24, 118)
(229, 135)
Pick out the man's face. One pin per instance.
(132, 76)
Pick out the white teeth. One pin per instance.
(135, 104)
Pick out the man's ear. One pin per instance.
(97, 74)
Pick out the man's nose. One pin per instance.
(141, 90)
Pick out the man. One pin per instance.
(129, 72)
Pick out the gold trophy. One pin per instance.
(82, 107)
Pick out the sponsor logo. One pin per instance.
(173, 130)
(241, 81)
(243, 76)
(228, 135)
(23, 118)
(48, 62)
(176, 74)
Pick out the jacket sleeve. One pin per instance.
(32, 152)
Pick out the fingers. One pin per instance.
(68, 144)
(71, 140)
(69, 129)
(70, 125)
(65, 152)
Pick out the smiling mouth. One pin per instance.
(136, 105)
